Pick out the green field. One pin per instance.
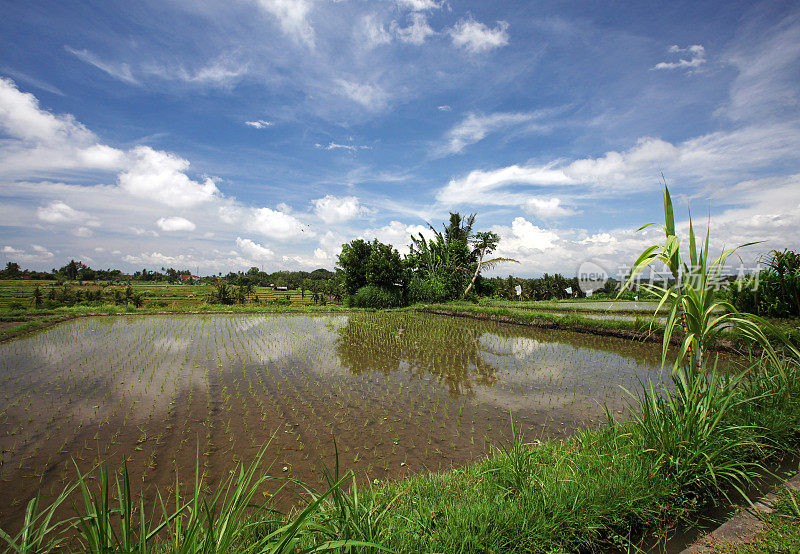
(155, 294)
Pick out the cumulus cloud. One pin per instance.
(83, 232)
(276, 225)
(696, 58)
(253, 250)
(523, 237)
(59, 212)
(475, 127)
(292, 16)
(546, 208)
(160, 176)
(175, 223)
(397, 234)
(477, 37)
(42, 141)
(333, 209)
(39, 254)
(258, 124)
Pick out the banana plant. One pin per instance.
(698, 312)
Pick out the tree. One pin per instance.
(353, 262)
(12, 270)
(37, 296)
(384, 266)
(484, 243)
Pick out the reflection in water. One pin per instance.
(428, 346)
(401, 392)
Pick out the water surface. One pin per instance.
(401, 392)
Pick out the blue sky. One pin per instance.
(223, 135)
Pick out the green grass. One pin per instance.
(781, 531)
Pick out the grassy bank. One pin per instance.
(599, 489)
(642, 329)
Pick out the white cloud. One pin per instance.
(292, 15)
(417, 32)
(333, 209)
(276, 225)
(139, 232)
(372, 32)
(766, 84)
(40, 254)
(335, 146)
(420, 5)
(371, 97)
(397, 234)
(59, 212)
(259, 124)
(120, 71)
(444, 108)
(546, 208)
(476, 37)
(475, 127)
(160, 176)
(41, 141)
(175, 223)
(83, 232)
(697, 57)
(523, 237)
(482, 187)
(253, 250)
(223, 71)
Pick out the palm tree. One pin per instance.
(484, 243)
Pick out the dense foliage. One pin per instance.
(775, 290)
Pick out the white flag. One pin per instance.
(518, 289)
(568, 290)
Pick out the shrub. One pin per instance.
(426, 290)
(371, 296)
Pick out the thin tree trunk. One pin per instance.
(475, 276)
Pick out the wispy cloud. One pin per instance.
(292, 16)
(417, 31)
(475, 127)
(696, 58)
(336, 146)
(259, 124)
(372, 97)
(120, 71)
(477, 37)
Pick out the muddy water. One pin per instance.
(400, 392)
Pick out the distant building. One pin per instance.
(190, 279)
(281, 288)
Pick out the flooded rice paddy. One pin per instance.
(401, 392)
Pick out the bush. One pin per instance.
(775, 291)
(426, 290)
(371, 296)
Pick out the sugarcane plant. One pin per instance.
(698, 312)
